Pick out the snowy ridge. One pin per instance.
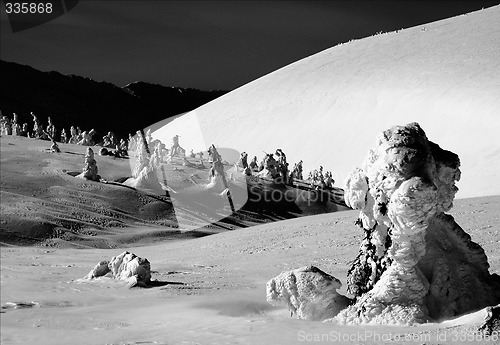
(327, 109)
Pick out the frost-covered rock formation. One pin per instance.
(308, 292)
(216, 174)
(90, 168)
(87, 138)
(491, 323)
(270, 167)
(126, 266)
(146, 161)
(415, 263)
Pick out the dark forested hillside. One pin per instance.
(79, 101)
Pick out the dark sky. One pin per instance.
(205, 44)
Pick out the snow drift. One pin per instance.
(308, 292)
(126, 266)
(325, 109)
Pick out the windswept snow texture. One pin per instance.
(325, 109)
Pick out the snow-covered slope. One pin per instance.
(328, 108)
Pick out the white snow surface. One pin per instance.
(327, 109)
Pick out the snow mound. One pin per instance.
(308, 292)
(126, 266)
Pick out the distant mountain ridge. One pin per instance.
(155, 95)
(72, 100)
